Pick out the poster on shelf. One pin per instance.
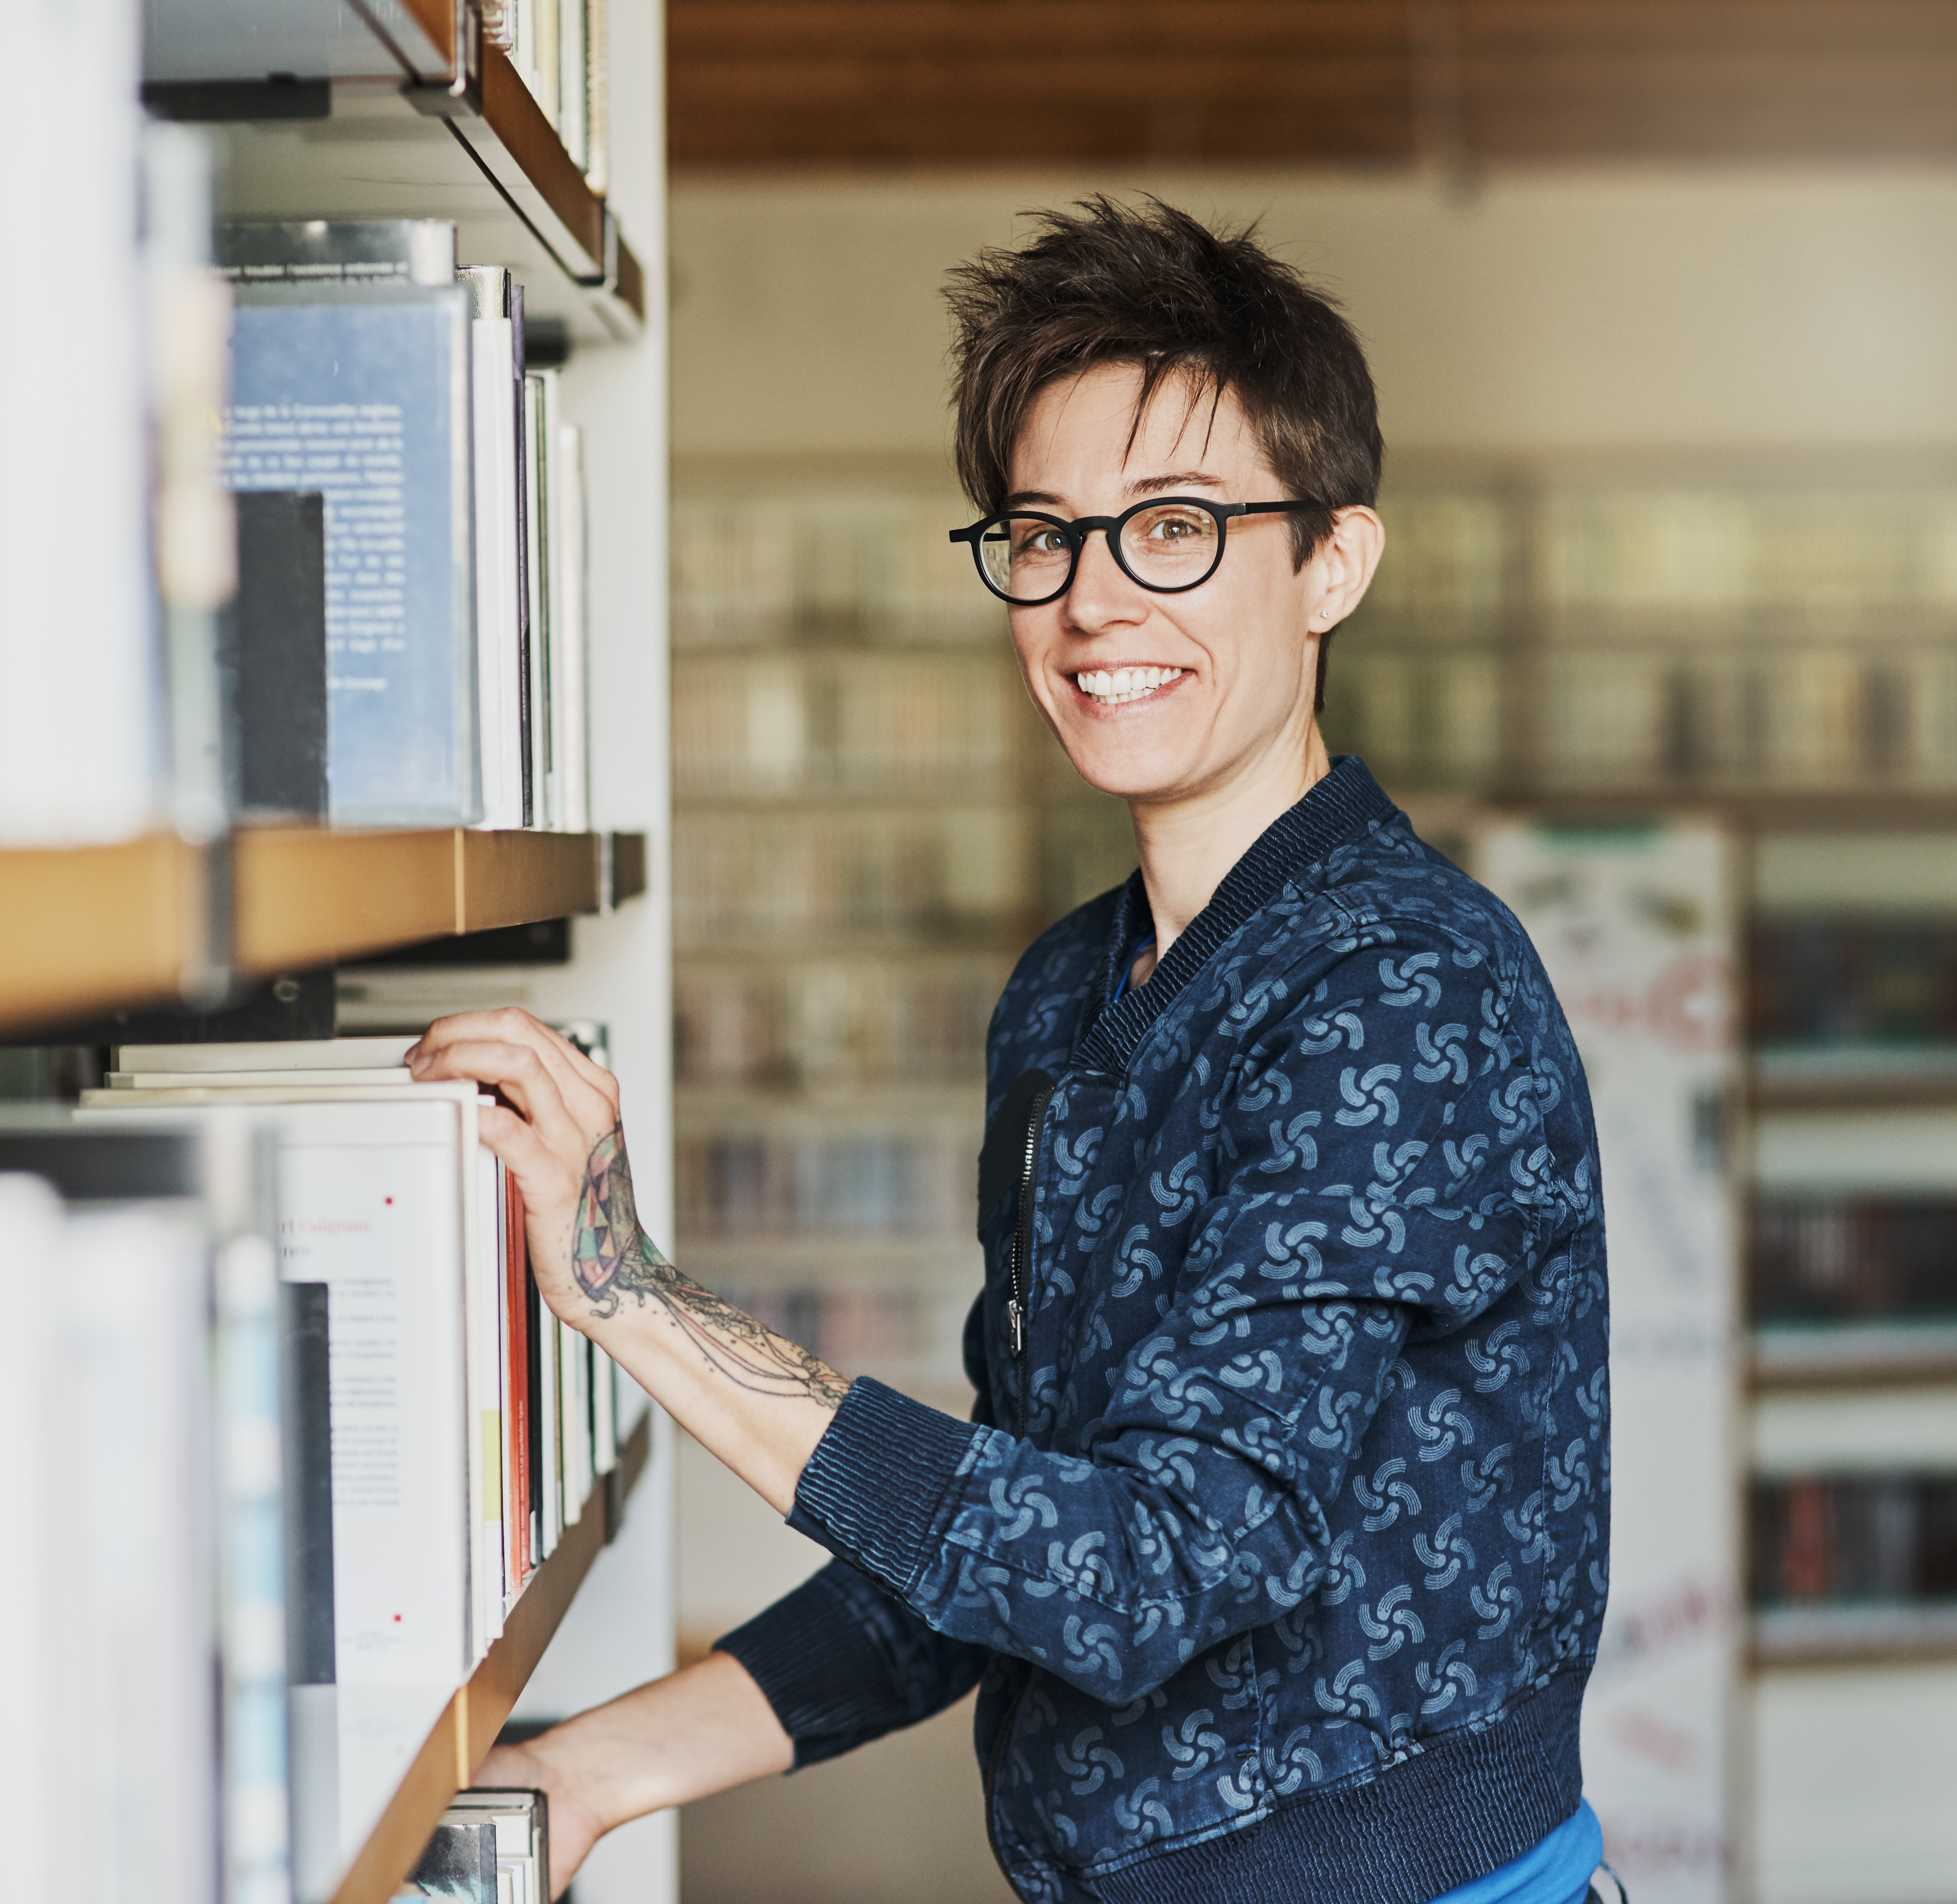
(1635, 926)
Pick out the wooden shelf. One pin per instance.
(131, 925)
(1852, 1636)
(397, 144)
(1852, 1356)
(469, 1724)
(92, 926)
(1889, 1088)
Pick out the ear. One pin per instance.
(1346, 559)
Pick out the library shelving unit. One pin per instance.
(870, 825)
(388, 108)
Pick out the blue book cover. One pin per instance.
(361, 392)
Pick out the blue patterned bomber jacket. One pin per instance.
(1278, 1541)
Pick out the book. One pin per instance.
(499, 610)
(284, 1055)
(74, 477)
(156, 1569)
(271, 658)
(357, 386)
(376, 1201)
(1819, 1259)
(570, 715)
(537, 600)
(505, 1833)
(459, 1862)
(305, 1328)
(1877, 1537)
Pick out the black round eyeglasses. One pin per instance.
(1168, 544)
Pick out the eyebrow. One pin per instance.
(1142, 486)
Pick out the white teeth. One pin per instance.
(1123, 684)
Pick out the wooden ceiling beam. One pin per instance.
(797, 82)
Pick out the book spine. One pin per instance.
(550, 1506)
(516, 396)
(485, 1275)
(521, 1439)
(257, 1836)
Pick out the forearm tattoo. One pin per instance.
(613, 1258)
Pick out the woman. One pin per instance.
(1277, 1540)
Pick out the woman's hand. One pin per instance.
(704, 1729)
(565, 1145)
(754, 1398)
(574, 1828)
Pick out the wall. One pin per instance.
(1564, 311)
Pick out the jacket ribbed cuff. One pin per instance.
(817, 1664)
(872, 1489)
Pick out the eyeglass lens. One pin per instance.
(1169, 545)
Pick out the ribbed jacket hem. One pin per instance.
(872, 1489)
(1461, 1807)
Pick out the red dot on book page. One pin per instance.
(387, 1200)
(397, 1619)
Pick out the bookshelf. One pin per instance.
(485, 157)
(343, 110)
(123, 924)
(461, 1739)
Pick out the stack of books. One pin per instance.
(1833, 1259)
(560, 49)
(1886, 1538)
(447, 607)
(441, 1428)
(492, 1847)
(147, 1684)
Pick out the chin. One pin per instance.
(1127, 771)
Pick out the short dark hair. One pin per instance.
(1148, 284)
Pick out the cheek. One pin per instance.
(1034, 637)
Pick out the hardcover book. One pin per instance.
(360, 390)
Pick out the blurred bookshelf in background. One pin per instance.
(870, 825)
(1533, 634)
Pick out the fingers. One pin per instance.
(516, 1141)
(589, 1093)
(523, 1077)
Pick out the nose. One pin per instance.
(1103, 595)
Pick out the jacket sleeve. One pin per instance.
(843, 1660)
(1408, 1190)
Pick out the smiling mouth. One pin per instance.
(1110, 687)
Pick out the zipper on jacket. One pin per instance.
(1020, 1294)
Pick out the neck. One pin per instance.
(1187, 846)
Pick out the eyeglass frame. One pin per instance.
(1110, 527)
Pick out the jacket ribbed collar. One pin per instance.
(1337, 808)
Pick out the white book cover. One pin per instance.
(550, 1493)
(31, 1243)
(285, 1055)
(133, 1631)
(571, 1429)
(79, 717)
(486, 1353)
(603, 1412)
(134, 1081)
(573, 83)
(537, 562)
(377, 1199)
(570, 712)
(499, 646)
